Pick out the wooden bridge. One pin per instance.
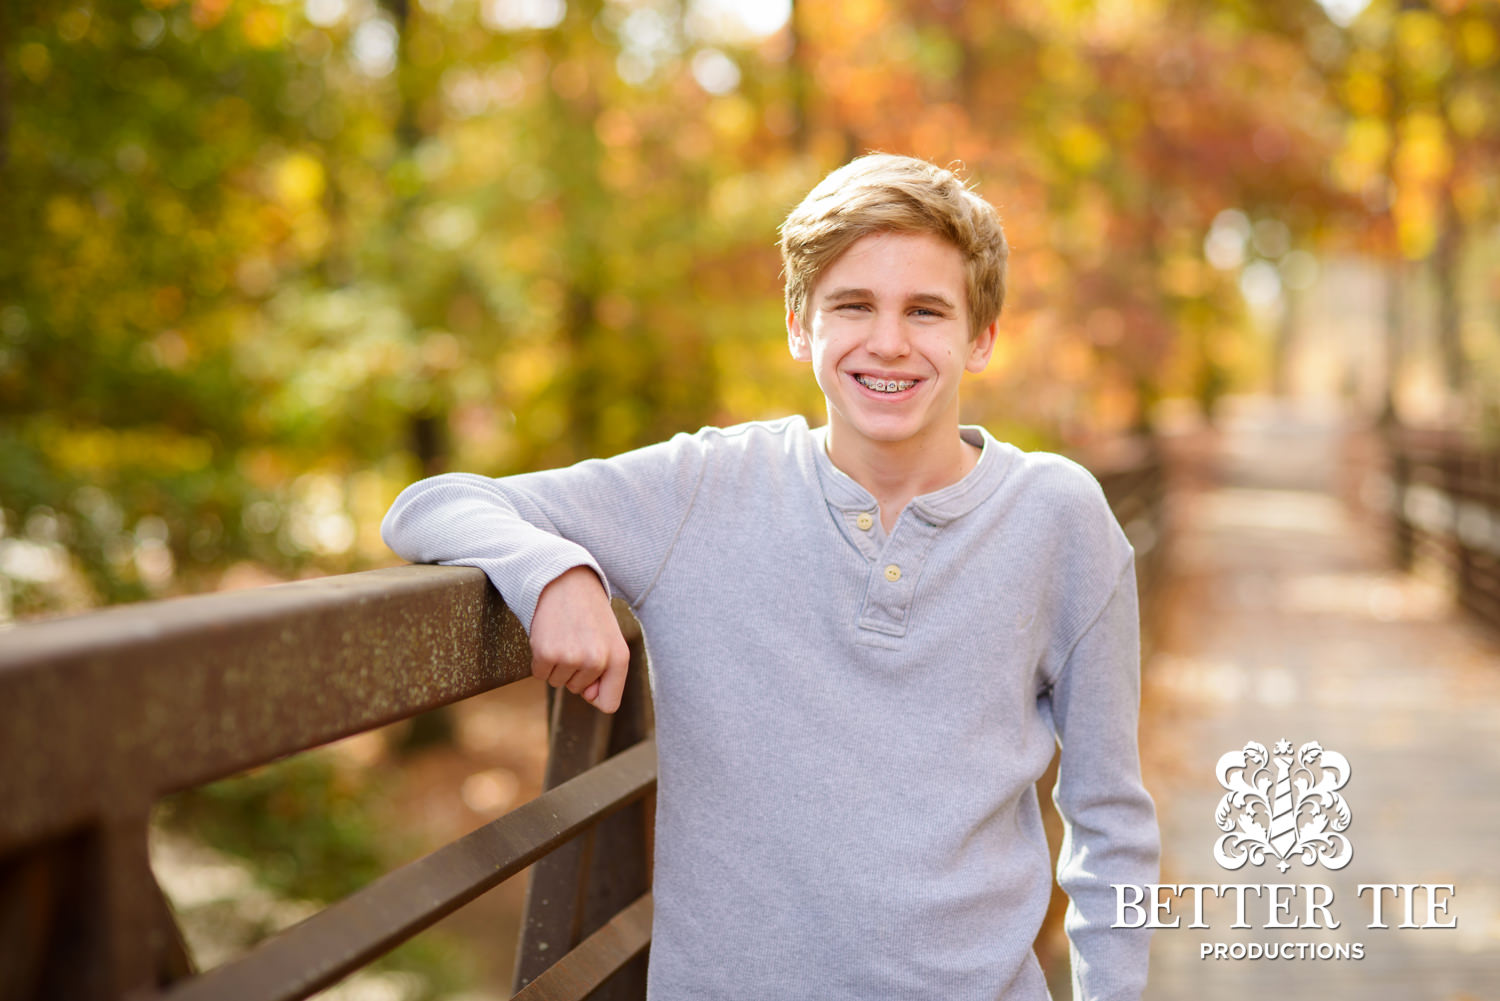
(103, 715)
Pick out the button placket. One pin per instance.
(864, 541)
(892, 580)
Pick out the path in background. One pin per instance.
(1285, 620)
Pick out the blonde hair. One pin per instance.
(883, 193)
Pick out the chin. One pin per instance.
(888, 434)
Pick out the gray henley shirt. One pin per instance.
(850, 724)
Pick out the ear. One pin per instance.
(981, 347)
(797, 340)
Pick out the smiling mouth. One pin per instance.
(884, 385)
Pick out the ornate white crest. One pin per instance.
(1283, 805)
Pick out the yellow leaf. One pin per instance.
(1365, 93)
(1081, 147)
(262, 27)
(1424, 153)
(298, 180)
(1476, 39)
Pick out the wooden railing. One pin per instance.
(1444, 507)
(104, 714)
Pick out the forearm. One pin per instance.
(460, 518)
(1109, 820)
(619, 517)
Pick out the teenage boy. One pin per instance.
(866, 640)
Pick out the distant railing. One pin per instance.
(1444, 506)
(104, 714)
(1133, 475)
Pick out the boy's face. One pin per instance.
(886, 329)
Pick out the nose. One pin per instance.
(887, 336)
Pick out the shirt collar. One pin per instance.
(938, 507)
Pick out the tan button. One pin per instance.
(893, 573)
(865, 521)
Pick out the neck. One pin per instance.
(895, 472)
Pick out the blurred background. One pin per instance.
(266, 262)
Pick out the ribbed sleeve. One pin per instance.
(618, 516)
(1109, 822)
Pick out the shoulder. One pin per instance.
(754, 447)
(1058, 505)
(777, 435)
(1049, 482)
(682, 462)
(709, 442)
(1074, 547)
(754, 467)
(1057, 479)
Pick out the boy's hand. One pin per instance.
(576, 641)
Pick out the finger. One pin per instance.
(559, 677)
(583, 678)
(612, 684)
(553, 672)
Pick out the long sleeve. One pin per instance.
(848, 722)
(618, 516)
(1110, 831)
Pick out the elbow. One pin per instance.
(390, 533)
(401, 528)
(422, 525)
(393, 534)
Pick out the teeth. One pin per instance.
(885, 385)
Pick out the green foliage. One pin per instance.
(307, 825)
(268, 261)
(308, 828)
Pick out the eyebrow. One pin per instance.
(842, 294)
(920, 298)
